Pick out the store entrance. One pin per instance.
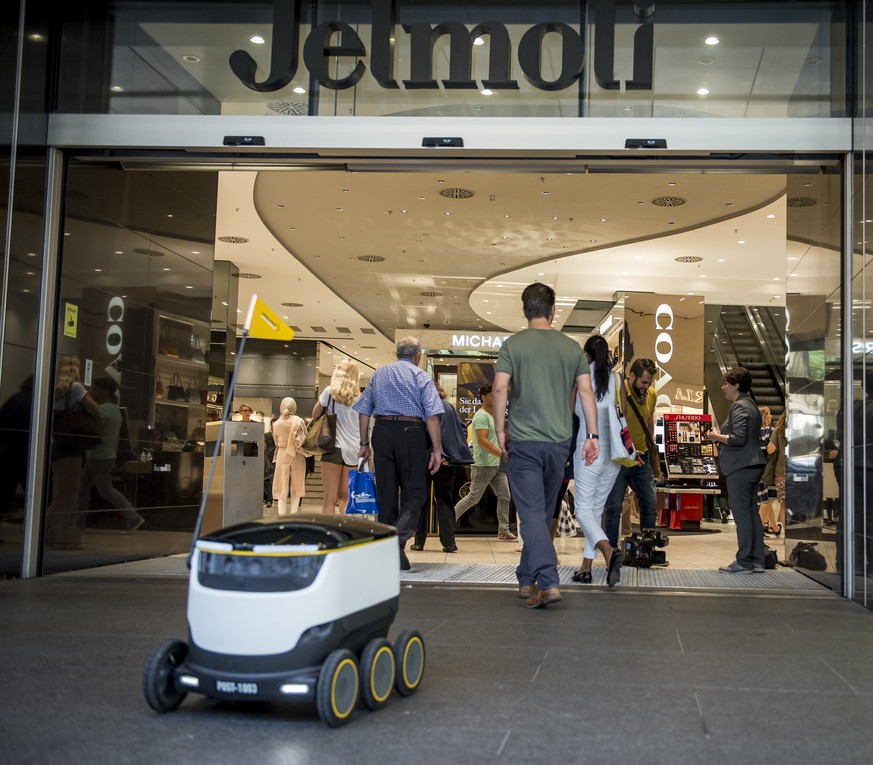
(347, 259)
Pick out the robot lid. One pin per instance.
(303, 532)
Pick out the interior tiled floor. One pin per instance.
(684, 550)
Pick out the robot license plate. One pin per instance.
(231, 686)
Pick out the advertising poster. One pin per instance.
(472, 375)
(669, 330)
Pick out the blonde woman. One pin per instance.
(338, 397)
(288, 433)
(63, 532)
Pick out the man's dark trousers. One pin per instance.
(400, 464)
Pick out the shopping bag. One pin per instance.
(620, 442)
(362, 492)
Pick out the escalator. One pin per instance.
(754, 337)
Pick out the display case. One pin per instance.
(687, 451)
(181, 381)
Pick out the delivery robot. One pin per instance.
(295, 609)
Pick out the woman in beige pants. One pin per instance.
(289, 430)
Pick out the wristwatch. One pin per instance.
(592, 435)
(365, 443)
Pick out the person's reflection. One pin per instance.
(862, 453)
(14, 436)
(62, 532)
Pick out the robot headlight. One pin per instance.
(257, 573)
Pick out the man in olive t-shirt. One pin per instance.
(544, 368)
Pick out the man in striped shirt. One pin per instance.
(406, 406)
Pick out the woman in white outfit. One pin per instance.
(594, 482)
(338, 397)
(290, 462)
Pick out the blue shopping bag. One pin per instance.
(362, 493)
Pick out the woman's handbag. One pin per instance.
(76, 428)
(362, 492)
(175, 391)
(321, 437)
(620, 442)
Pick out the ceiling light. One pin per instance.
(189, 287)
(721, 260)
(257, 40)
(478, 41)
(191, 59)
(298, 89)
(603, 220)
(703, 91)
(487, 92)
(711, 40)
(117, 89)
(741, 241)
(546, 193)
(706, 60)
(99, 270)
(36, 37)
(771, 216)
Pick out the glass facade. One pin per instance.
(129, 290)
(562, 58)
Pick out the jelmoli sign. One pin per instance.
(337, 39)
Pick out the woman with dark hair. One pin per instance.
(741, 461)
(594, 482)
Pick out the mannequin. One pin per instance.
(290, 463)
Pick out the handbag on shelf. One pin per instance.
(175, 391)
(192, 392)
(362, 492)
(167, 343)
(620, 442)
(197, 353)
(321, 436)
(199, 432)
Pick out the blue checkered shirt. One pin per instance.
(401, 389)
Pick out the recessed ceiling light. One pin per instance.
(191, 59)
(487, 92)
(189, 287)
(741, 241)
(36, 37)
(711, 40)
(257, 40)
(117, 89)
(706, 60)
(703, 91)
(299, 90)
(478, 41)
(99, 270)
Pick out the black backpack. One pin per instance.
(804, 555)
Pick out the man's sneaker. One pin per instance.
(134, 525)
(735, 568)
(757, 569)
(507, 537)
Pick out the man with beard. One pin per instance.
(637, 388)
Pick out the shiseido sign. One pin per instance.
(337, 39)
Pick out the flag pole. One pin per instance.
(228, 398)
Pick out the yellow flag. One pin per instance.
(263, 323)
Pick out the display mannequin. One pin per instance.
(290, 463)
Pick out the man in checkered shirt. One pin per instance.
(406, 406)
